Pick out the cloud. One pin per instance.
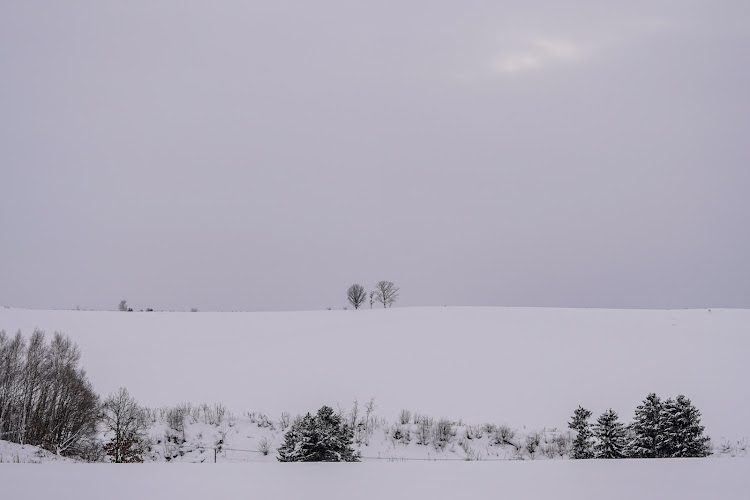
(558, 49)
(518, 62)
(542, 52)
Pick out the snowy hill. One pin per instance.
(525, 367)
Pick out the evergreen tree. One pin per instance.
(297, 441)
(683, 434)
(646, 429)
(611, 435)
(582, 444)
(322, 438)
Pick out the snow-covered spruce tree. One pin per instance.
(646, 429)
(683, 434)
(322, 438)
(583, 445)
(611, 435)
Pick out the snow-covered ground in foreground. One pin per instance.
(521, 366)
(684, 479)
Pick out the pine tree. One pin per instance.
(611, 435)
(322, 438)
(683, 434)
(335, 437)
(582, 444)
(647, 433)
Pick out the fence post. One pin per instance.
(214, 454)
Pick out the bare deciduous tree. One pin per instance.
(356, 295)
(372, 298)
(122, 416)
(45, 399)
(386, 293)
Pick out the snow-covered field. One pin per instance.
(684, 479)
(519, 366)
(528, 368)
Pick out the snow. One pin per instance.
(27, 454)
(686, 479)
(520, 366)
(529, 368)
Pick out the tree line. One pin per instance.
(667, 429)
(45, 398)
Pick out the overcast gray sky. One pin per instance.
(266, 155)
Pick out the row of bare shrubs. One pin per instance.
(176, 416)
(423, 429)
(439, 433)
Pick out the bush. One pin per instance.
(562, 444)
(549, 450)
(442, 433)
(424, 425)
(401, 433)
(474, 431)
(175, 418)
(502, 435)
(285, 420)
(532, 443)
(264, 445)
(404, 417)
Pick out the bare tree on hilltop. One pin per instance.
(386, 293)
(356, 295)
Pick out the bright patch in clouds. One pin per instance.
(543, 51)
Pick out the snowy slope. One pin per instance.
(27, 454)
(521, 366)
(239, 438)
